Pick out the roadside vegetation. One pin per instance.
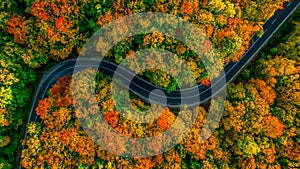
(37, 33)
(260, 127)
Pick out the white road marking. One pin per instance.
(274, 20)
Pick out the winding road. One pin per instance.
(143, 88)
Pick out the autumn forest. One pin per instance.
(260, 124)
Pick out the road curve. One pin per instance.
(143, 88)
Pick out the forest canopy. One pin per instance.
(260, 127)
(35, 34)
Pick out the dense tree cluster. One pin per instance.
(15, 76)
(288, 47)
(58, 29)
(34, 32)
(229, 26)
(259, 128)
